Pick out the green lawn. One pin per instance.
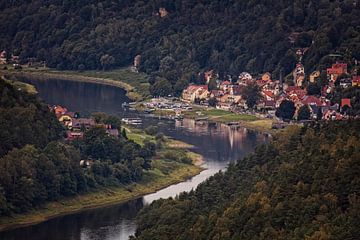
(219, 115)
(137, 136)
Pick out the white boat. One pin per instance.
(132, 121)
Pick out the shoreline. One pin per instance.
(260, 125)
(39, 75)
(106, 197)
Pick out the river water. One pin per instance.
(219, 144)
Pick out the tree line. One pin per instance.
(304, 184)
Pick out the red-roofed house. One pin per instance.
(311, 100)
(74, 135)
(216, 93)
(78, 123)
(332, 115)
(269, 95)
(336, 70)
(295, 90)
(345, 102)
(59, 110)
(225, 86)
(194, 91)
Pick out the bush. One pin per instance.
(152, 130)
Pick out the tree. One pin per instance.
(286, 110)
(319, 114)
(212, 84)
(107, 61)
(313, 89)
(123, 133)
(212, 102)
(161, 88)
(252, 94)
(304, 113)
(151, 130)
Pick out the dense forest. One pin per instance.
(304, 184)
(177, 39)
(25, 120)
(37, 165)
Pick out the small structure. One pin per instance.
(356, 81)
(225, 86)
(193, 92)
(163, 12)
(345, 82)
(59, 110)
(137, 61)
(336, 70)
(3, 59)
(80, 123)
(208, 75)
(299, 75)
(244, 78)
(345, 102)
(313, 76)
(266, 77)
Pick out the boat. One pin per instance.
(149, 110)
(232, 123)
(125, 105)
(201, 119)
(132, 121)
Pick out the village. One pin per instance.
(229, 96)
(76, 126)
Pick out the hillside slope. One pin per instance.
(25, 120)
(229, 36)
(303, 185)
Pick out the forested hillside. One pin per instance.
(303, 185)
(25, 120)
(185, 37)
(37, 165)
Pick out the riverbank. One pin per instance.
(166, 171)
(20, 85)
(135, 84)
(249, 121)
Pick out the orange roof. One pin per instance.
(269, 93)
(226, 83)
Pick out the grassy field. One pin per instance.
(263, 125)
(23, 86)
(165, 172)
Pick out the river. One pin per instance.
(219, 144)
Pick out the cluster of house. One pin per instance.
(76, 126)
(229, 95)
(5, 59)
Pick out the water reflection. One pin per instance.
(218, 143)
(78, 96)
(114, 222)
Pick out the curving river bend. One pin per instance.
(219, 144)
